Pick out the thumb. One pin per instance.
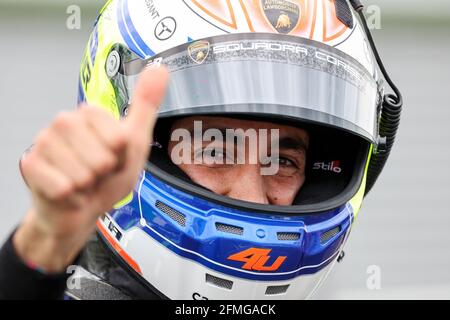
(148, 95)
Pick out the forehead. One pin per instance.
(209, 122)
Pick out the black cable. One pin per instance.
(357, 5)
(392, 105)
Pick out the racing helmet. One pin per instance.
(307, 63)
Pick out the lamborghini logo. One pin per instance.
(199, 51)
(283, 15)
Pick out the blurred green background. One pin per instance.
(404, 227)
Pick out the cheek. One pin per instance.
(282, 190)
(215, 180)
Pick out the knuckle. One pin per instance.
(61, 191)
(63, 121)
(105, 164)
(86, 179)
(43, 141)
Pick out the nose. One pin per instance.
(249, 185)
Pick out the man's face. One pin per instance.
(243, 180)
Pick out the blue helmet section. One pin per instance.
(129, 32)
(188, 227)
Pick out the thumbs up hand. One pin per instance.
(79, 167)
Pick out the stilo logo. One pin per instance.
(256, 259)
(333, 166)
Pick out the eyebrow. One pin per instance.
(293, 144)
(287, 143)
(222, 130)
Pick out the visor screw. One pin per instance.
(260, 233)
(125, 111)
(113, 64)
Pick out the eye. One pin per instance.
(286, 162)
(213, 153)
(288, 167)
(212, 156)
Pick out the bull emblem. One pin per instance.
(283, 22)
(200, 56)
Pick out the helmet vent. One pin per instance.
(229, 229)
(219, 282)
(274, 290)
(329, 234)
(172, 213)
(288, 236)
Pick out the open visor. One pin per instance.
(262, 74)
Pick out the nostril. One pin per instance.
(248, 196)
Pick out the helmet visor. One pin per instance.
(269, 75)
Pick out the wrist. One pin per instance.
(44, 251)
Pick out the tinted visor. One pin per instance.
(275, 76)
